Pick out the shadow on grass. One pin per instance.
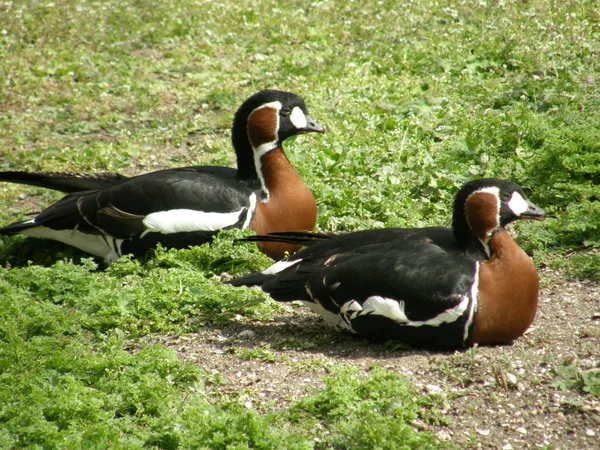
(311, 334)
(20, 251)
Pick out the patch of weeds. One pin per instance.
(572, 376)
(292, 343)
(262, 354)
(463, 368)
(358, 411)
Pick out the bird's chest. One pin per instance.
(290, 206)
(508, 297)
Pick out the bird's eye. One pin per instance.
(285, 111)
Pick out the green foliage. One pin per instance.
(75, 373)
(63, 386)
(174, 291)
(416, 100)
(571, 376)
(354, 411)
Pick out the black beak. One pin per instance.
(312, 126)
(533, 212)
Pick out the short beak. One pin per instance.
(312, 126)
(533, 212)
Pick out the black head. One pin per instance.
(264, 121)
(486, 205)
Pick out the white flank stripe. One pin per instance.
(394, 309)
(448, 316)
(331, 318)
(93, 244)
(382, 306)
(279, 266)
(352, 307)
(250, 212)
(298, 118)
(182, 220)
(475, 300)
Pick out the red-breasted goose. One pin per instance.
(430, 287)
(115, 215)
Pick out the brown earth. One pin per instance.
(493, 397)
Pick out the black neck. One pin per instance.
(465, 238)
(246, 171)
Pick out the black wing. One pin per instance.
(119, 211)
(73, 182)
(422, 268)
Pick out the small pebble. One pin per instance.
(433, 389)
(511, 379)
(590, 432)
(522, 430)
(483, 432)
(246, 334)
(443, 435)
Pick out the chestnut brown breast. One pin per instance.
(508, 293)
(291, 205)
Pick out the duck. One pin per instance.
(110, 215)
(437, 287)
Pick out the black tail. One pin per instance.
(17, 227)
(253, 279)
(64, 181)
(304, 238)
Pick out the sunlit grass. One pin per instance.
(416, 97)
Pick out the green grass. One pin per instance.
(417, 98)
(75, 373)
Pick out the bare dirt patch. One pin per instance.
(493, 397)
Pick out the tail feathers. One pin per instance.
(17, 227)
(279, 291)
(304, 238)
(254, 279)
(64, 181)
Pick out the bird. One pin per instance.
(437, 287)
(110, 215)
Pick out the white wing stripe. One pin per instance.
(182, 220)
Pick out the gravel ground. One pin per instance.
(493, 397)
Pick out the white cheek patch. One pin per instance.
(298, 118)
(184, 220)
(517, 204)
